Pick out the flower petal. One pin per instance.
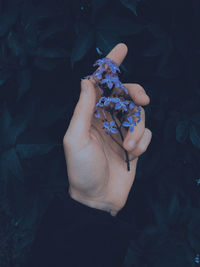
(131, 128)
(112, 123)
(114, 130)
(131, 105)
(126, 124)
(118, 106)
(106, 124)
(130, 119)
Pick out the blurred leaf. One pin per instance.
(10, 128)
(195, 135)
(14, 44)
(196, 118)
(10, 163)
(45, 34)
(155, 49)
(4, 75)
(46, 63)
(131, 4)
(7, 19)
(121, 26)
(174, 205)
(156, 30)
(182, 130)
(24, 79)
(28, 151)
(82, 45)
(52, 52)
(96, 6)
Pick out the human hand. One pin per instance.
(96, 165)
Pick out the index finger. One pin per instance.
(118, 53)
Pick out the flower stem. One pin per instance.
(126, 152)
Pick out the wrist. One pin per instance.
(92, 203)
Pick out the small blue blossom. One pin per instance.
(137, 114)
(197, 259)
(99, 104)
(122, 104)
(101, 61)
(113, 66)
(131, 105)
(97, 115)
(130, 123)
(109, 127)
(111, 99)
(109, 80)
(99, 73)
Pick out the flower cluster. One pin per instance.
(114, 99)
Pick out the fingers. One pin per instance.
(132, 138)
(80, 123)
(137, 93)
(142, 145)
(118, 53)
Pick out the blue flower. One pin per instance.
(97, 114)
(113, 66)
(109, 80)
(111, 99)
(99, 104)
(109, 127)
(99, 73)
(130, 123)
(131, 105)
(122, 104)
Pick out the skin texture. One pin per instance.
(96, 166)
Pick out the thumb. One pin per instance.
(80, 123)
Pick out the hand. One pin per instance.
(96, 165)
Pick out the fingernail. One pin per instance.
(131, 143)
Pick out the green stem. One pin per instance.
(126, 152)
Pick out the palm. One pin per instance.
(102, 170)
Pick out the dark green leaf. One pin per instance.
(155, 49)
(52, 52)
(182, 130)
(11, 163)
(46, 63)
(196, 118)
(28, 151)
(121, 26)
(24, 79)
(14, 44)
(156, 30)
(131, 4)
(96, 6)
(195, 135)
(82, 45)
(4, 75)
(7, 19)
(45, 34)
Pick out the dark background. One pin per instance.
(46, 47)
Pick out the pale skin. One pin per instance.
(96, 166)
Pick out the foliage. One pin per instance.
(45, 48)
